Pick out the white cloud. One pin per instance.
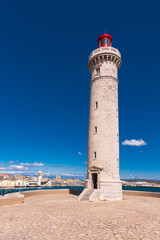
(33, 164)
(2, 168)
(134, 142)
(50, 174)
(14, 167)
(63, 174)
(71, 175)
(11, 161)
(10, 172)
(38, 164)
(26, 164)
(79, 153)
(18, 167)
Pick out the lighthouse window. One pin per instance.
(96, 105)
(117, 162)
(106, 41)
(95, 130)
(102, 42)
(98, 70)
(95, 155)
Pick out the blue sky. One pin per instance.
(44, 91)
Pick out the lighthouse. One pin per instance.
(103, 181)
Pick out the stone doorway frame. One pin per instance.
(94, 170)
(94, 180)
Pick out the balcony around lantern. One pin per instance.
(102, 50)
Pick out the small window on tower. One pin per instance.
(95, 155)
(117, 162)
(98, 70)
(96, 105)
(95, 130)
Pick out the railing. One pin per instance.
(105, 49)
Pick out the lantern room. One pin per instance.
(105, 40)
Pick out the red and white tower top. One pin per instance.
(105, 40)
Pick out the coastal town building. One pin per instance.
(45, 179)
(103, 180)
(31, 178)
(40, 177)
(32, 183)
(4, 176)
(12, 183)
(64, 182)
(9, 181)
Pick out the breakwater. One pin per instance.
(4, 191)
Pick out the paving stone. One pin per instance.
(63, 217)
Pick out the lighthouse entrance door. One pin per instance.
(94, 180)
(94, 177)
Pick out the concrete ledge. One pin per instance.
(141, 193)
(78, 192)
(45, 192)
(14, 198)
(11, 198)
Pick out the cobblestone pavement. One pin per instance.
(64, 217)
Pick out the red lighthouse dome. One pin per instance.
(105, 40)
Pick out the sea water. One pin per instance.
(4, 191)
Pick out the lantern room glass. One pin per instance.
(105, 42)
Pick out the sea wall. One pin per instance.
(14, 198)
(141, 193)
(11, 198)
(45, 192)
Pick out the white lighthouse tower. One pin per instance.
(103, 180)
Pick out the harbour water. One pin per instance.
(4, 191)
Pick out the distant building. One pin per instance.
(31, 183)
(12, 183)
(40, 177)
(30, 178)
(4, 176)
(45, 180)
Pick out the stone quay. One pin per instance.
(61, 216)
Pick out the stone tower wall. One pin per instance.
(105, 142)
(103, 65)
(103, 181)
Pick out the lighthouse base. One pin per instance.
(110, 190)
(107, 190)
